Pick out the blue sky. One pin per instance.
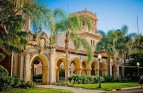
(111, 14)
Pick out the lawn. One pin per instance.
(37, 90)
(106, 86)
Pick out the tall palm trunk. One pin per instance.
(66, 48)
(11, 64)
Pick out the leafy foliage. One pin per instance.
(3, 71)
(84, 79)
(116, 43)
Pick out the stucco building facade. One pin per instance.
(52, 58)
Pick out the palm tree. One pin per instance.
(125, 43)
(13, 16)
(53, 22)
(106, 43)
(71, 25)
(116, 43)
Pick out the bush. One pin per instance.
(27, 84)
(5, 82)
(62, 72)
(109, 78)
(16, 82)
(11, 82)
(37, 76)
(84, 79)
(3, 71)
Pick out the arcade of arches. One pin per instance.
(54, 71)
(41, 58)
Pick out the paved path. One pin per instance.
(75, 90)
(134, 90)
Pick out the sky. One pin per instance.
(111, 14)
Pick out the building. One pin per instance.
(52, 59)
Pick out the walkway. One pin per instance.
(75, 90)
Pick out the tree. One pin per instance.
(107, 42)
(13, 18)
(117, 43)
(71, 25)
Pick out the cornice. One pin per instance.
(90, 34)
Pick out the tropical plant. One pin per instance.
(71, 25)
(107, 43)
(13, 19)
(116, 43)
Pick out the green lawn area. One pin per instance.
(106, 86)
(36, 90)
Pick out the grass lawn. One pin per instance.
(106, 86)
(36, 90)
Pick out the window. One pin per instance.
(91, 42)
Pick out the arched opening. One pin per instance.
(120, 71)
(39, 69)
(114, 71)
(74, 67)
(103, 69)
(94, 68)
(60, 70)
(84, 67)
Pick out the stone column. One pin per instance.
(110, 69)
(22, 67)
(57, 75)
(27, 68)
(45, 75)
(79, 71)
(88, 71)
(15, 64)
(52, 66)
(118, 72)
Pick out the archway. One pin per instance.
(84, 67)
(60, 70)
(40, 62)
(74, 66)
(37, 71)
(94, 68)
(103, 69)
(114, 71)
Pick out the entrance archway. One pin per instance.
(60, 70)
(74, 66)
(114, 71)
(94, 68)
(44, 67)
(84, 67)
(103, 69)
(37, 71)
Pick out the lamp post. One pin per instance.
(99, 58)
(138, 65)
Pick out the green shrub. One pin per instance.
(28, 84)
(62, 72)
(109, 78)
(11, 82)
(3, 71)
(6, 82)
(37, 76)
(16, 81)
(84, 79)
